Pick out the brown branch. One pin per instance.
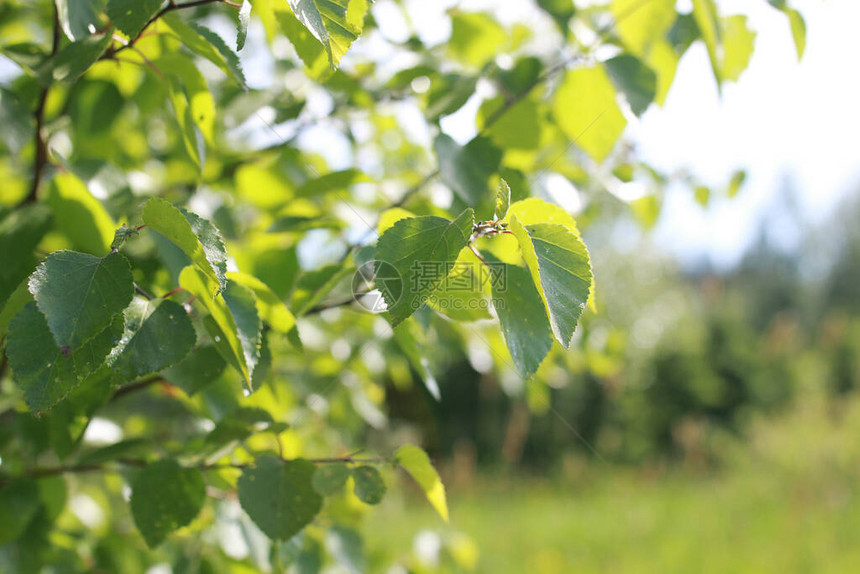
(41, 145)
(135, 386)
(114, 465)
(171, 6)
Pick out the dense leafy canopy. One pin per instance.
(192, 243)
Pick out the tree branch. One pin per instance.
(111, 466)
(135, 386)
(171, 6)
(41, 145)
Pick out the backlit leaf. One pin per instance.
(584, 107)
(561, 270)
(195, 236)
(207, 44)
(418, 254)
(79, 215)
(416, 462)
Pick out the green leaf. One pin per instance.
(79, 215)
(708, 21)
(220, 322)
(416, 462)
(197, 370)
(475, 38)
(270, 308)
(702, 195)
(249, 328)
(561, 270)
(242, 24)
(182, 112)
(798, 31)
(467, 169)
(239, 425)
(279, 496)
(735, 183)
(519, 127)
(535, 210)
(74, 59)
(130, 16)
(634, 79)
(157, 334)
(14, 303)
(369, 486)
(207, 44)
(19, 502)
(327, 20)
(195, 236)
(308, 48)
(419, 253)
(522, 316)
(45, 371)
(20, 233)
(503, 200)
(164, 498)
(641, 24)
(663, 59)
(464, 294)
(406, 335)
(328, 479)
(586, 111)
(332, 182)
(561, 11)
(79, 17)
(80, 294)
(738, 46)
(448, 93)
(186, 78)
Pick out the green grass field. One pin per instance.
(786, 501)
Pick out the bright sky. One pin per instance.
(783, 119)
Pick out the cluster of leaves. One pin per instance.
(138, 111)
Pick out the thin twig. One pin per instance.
(41, 145)
(172, 6)
(115, 465)
(135, 386)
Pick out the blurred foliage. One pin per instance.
(182, 229)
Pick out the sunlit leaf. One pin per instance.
(79, 215)
(561, 270)
(416, 462)
(418, 254)
(585, 109)
(198, 238)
